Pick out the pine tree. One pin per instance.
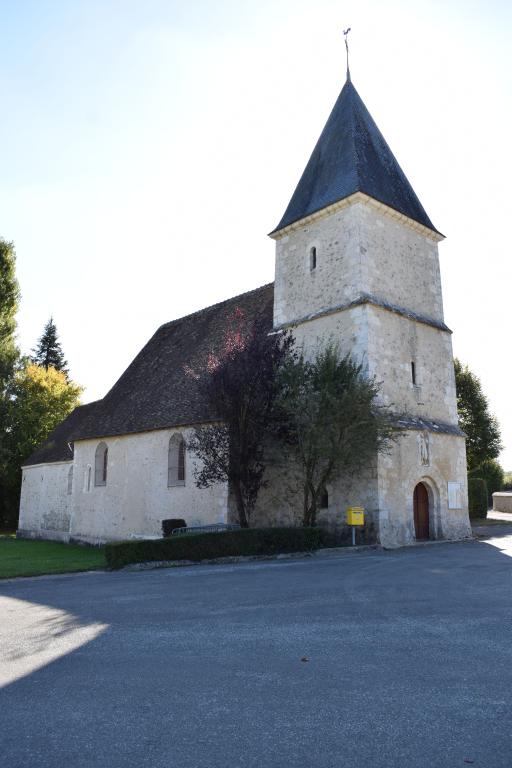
(49, 351)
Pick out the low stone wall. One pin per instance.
(502, 502)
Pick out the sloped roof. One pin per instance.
(156, 391)
(351, 156)
(58, 446)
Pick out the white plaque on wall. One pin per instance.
(454, 496)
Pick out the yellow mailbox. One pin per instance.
(355, 516)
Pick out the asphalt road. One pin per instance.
(409, 663)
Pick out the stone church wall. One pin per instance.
(359, 249)
(136, 498)
(398, 263)
(439, 462)
(280, 501)
(45, 505)
(300, 291)
(393, 343)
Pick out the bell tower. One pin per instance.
(357, 263)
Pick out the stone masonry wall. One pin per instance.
(438, 461)
(394, 342)
(136, 498)
(45, 505)
(359, 249)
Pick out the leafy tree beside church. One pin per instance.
(49, 350)
(240, 385)
(9, 300)
(335, 425)
(483, 437)
(34, 398)
(39, 399)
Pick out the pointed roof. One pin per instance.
(351, 156)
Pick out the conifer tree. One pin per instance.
(49, 351)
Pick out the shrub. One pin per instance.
(477, 497)
(168, 526)
(492, 473)
(205, 546)
(507, 481)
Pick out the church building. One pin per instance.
(356, 263)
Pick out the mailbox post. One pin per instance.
(355, 516)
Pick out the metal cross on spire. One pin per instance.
(345, 34)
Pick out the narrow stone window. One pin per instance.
(324, 500)
(413, 372)
(87, 478)
(70, 480)
(176, 461)
(100, 465)
(312, 258)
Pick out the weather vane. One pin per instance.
(345, 34)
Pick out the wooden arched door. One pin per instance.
(421, 516)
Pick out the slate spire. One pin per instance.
(350, 156)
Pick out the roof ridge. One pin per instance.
(217, 305)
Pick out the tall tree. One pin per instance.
(483, 438)
(240, 385)
(336, 426)
(49, 351)
(39, 400)
(9, 299)
(9, 354)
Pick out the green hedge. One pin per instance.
(477, 497)
(206, 546)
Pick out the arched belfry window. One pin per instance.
(176, 461)
(100, 465)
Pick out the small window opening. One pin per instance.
(413, 372)
(87, 478)
(100, 465)
(70, 480)
(324, 499)
(176, 461)
(312, 258)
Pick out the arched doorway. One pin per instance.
(421, 512)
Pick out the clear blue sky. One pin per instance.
(148, 147)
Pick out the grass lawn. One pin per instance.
(22, 557)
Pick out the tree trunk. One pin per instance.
(240, 506)
(305, 507)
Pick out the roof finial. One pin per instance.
(345, 33)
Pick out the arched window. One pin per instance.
(176, 461)
(324, 499)
(70, 480)
(87, 478)
(312, 258)
(100, 465)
